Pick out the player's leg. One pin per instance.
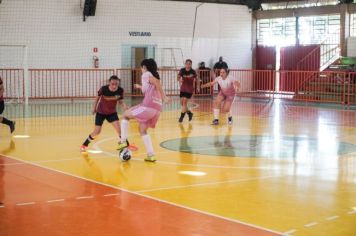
(147, 141)
(189, 112)
(113, 119)
(99, 120)
(183, 102)
(227, 109)
(124, 126)
(216, 111)
(5, 121)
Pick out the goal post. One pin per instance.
(14, 71)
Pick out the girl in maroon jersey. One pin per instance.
(187, 78)
(104, 108)
(3, 120)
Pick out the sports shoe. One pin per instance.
(122, 145)
(215, 122)
(150, 158)
(12, 126)
(190, 115)
(132, 147)
(180, 120)
(230, 120)
(83, 148)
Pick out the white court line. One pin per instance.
(144, 154)
(311, 224)
(149, 197)
(111, 194)
(351, 212)
(332, 218)
(289, 232)
(25, 203)
(55, 200)
(205, 184)
(84, 197)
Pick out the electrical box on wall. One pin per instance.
(89, 8)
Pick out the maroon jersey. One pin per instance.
(188, 80)
(107, 107)
(2, 95)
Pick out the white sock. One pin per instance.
(216, 113)
(229, 114)
(148, 144)
(124, 130)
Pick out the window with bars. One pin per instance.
(353, 25)
(316, 29)
(280, 31)
(298, 4)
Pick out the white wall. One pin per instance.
(57, 37)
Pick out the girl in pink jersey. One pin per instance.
(146, 113)
(229, 86)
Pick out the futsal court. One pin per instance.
(280, 169)
(280, 161)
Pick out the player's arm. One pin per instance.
(95, 105)
(137, 86)
(1, 90)
(158, 86)
(180, 77)
(122, 104)
(237, 85)
(197, 82)
(209, 84)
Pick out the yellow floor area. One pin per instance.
(297, 187)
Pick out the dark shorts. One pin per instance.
(185, 95)
(2, 107)
(99, 118)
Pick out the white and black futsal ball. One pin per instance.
(125, 154)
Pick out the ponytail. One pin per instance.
(151, 66)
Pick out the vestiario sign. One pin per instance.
(142, 34)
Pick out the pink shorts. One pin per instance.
(228, 98)
(146, 115)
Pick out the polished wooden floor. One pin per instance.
(281, 169)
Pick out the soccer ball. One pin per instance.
(125, 154)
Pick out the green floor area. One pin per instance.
(260, 146)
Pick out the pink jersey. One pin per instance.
(226, 85)
(152, 98)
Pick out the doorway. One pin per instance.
(137, 55)
(131, 58)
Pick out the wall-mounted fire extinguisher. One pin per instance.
(96, 61)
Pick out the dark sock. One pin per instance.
(6, 121)
(189, 112)
(88, 140)
(181, 117)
